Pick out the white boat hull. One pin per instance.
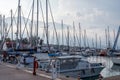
(84, 73)
(116, 61)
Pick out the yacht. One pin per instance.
(75, 65)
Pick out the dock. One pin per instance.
(113, 78)
(10, 72)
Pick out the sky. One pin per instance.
(94, 15)
(88, 12)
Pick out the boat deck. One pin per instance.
(9, 72)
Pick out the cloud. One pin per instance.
(89, 15)
(75, 10)
(93, 15)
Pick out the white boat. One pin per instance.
(74, 65)
(116, 60)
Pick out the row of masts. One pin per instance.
(81, 39)
(78, 38)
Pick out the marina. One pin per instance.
(34, 45)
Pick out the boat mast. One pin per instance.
(106, 38)
(53, 38)
(96, 40)
(92, 43)
(74, 44)
(100, 42)
(62, 34)
(18, 20)
(43, 20)
(109, 38)
(4, 27)
(31, 28)
(87, 41)
(3, 32)
(114, 35)
(47, 37)
(79, 36)
(85, 38)
(54, 26)
(37, 22)
(20, 24)
(12, 27)
(68, 39)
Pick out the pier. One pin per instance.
(113, 78)
(9, 72)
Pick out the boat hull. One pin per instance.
(83, 73)
(116, 61)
